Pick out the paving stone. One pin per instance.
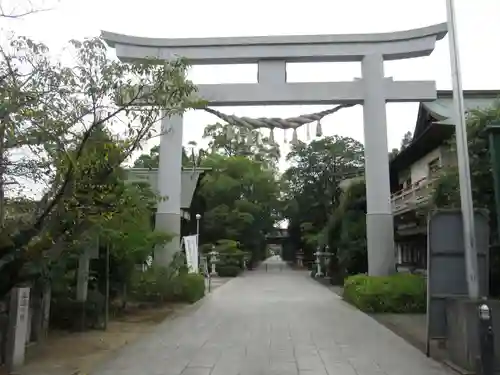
(313, 372)
(277, 323)
(283, 367)
(206, 357)
(228, 366)
(310, 363)
(197, 371)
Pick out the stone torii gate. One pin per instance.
(271, 53)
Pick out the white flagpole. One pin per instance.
(463, 159)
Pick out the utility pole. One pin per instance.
(467, 206)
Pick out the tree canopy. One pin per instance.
(251, 144)
(240, 191)
(447, 195)
(55, 118)
(312, 186)
(241, 200)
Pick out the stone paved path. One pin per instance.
(276, 322)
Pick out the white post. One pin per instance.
(328, 259)
(318, 264)
(82, 282)
(198, 217)
(379, 220)
(18, 327)
(463, 159)
(399, 253)
(213, 259)
(168, 215)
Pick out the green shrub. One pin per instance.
(68, 313)
(400, 293)
(153, 285)
(188, 287)
(228, 270)
(227, 246)
(234, 259)
(158, 284)
(230, 254)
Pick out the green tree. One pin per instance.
(345, 233)
(240, 192)
(149, 161)
(480, 165)
(242, 142)
(312, 185)
(152, 160)
(407, 139)
(241, 199)
(129, 235)
(52, 111)
(447, 195)
(394, 152)
(405, 142)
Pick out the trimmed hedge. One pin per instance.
(189, 287)
(157, 284)
(399, 293)
(228, 270)
(153, 285)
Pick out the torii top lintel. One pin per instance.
(299, 48)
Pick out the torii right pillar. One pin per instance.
(379, 219)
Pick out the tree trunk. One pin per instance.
(41, 311)
(2, 174)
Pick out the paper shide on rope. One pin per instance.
(251, 124)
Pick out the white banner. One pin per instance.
(191, 248)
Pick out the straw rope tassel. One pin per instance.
(295, 138)
(229, 131)
(319, 131)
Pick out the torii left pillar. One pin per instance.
(379, 219)
(168, 213)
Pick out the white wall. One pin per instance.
(420, 169)
(448, 156)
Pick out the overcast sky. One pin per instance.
(478, 33)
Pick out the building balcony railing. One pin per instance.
(410, 198)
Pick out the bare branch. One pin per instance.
(15, 14)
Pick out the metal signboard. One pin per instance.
(446, 276)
